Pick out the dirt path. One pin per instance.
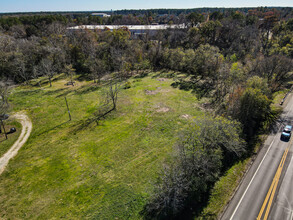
(25, 133)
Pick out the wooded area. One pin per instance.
(236, 58)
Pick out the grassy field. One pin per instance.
(5, 144)
(101, 172)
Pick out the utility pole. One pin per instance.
(68, 109)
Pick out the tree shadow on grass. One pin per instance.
(53, 128)
(64, 93)
(141, 75)
(200, 89)
(44, 81)
(53, 92)
(165, 74)
(83, 89)
(30, 92)
(183, 85)
(95, 120)
(87, 89)
(83, 77)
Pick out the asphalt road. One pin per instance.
(266, 191)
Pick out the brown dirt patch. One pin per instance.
(162, 79)
(164, 109)
(185, 116)
(150, 92)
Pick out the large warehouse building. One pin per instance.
(134, 29)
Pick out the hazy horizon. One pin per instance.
(17, 6)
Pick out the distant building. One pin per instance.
(102, 15)
(135, 30)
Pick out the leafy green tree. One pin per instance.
(97, 68)
(195, 18)
(254, 110)
(119, 38)
(216, 15)
(188, 62)
(200, 152)
(251, 20)
(78, 59)
(126, 69)
(207, 61)
(176, 59)
(193, 38)
(237, 16)
(209, 31)
(257, 82)
(289, 24)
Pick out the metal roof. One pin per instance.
(130, 27)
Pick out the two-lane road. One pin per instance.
(266, 192)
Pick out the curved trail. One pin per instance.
(25, 133)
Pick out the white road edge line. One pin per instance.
(257, 170)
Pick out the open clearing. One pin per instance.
(102, 172)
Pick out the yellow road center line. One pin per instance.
(266, 200)
(273, 187)
(279, 172)
(285, 156)
(272, 195)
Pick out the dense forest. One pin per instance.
(236, 58)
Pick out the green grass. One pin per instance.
(99, 172)
(5, 144)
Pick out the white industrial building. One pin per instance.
(102, 15)
(134, 29)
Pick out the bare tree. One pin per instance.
(56, 28)
(110, 100)
(97, 68)
(18, 31)
(113, 94)
(4, 105)
(275, 69)
(46, 66)
(22, 70)
(70, 71)
(108, 105)
(36, 74)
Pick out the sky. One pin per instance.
(100, 5)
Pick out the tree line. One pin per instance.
(237, 60)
